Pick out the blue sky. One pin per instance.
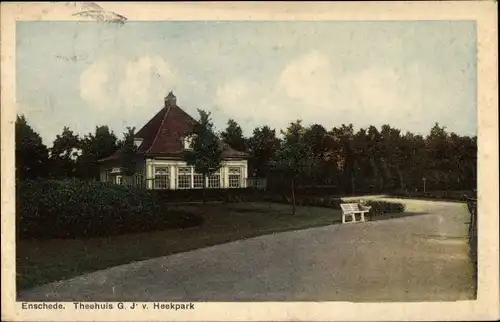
(406, 74)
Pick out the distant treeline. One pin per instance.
(369, 160)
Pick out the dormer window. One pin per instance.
(137, 142)
(188, 142)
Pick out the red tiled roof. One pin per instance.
(167, 136)
(162, 135)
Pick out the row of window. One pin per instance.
(187, 178)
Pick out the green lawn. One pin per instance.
(44, 261)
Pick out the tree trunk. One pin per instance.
(293, 196)
(204, 189)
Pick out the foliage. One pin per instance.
(233, 135)
(74, 208)
(263, 146)
(452, 195)
(385, 160)
(378, 207)
(369, 160)
(31, 154)
(382, 207)
(65, 154)
(294, 157)
(206, 154)
(129, 150)
(96, 146)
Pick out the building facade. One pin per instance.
(160, 164)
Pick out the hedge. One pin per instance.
(378, 207)
(71, 209)
(383, 207)
(452, 195)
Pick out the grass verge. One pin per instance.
(45, 261)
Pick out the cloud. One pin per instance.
(308, 79)
(126, 85)
(303, 89)
(309, 88)
(378, 88)
(93, 84)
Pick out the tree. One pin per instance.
(438, 157)
(129, 150)
(316, 141)
(263, 146)
(31, 153)
(65, 153)
(293, 158)
(344, 136)
(233, 135)
(206, 153)
(94, 147)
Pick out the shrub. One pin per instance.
(383, 207)
(452, 195)
(68, 209)
(378, 207)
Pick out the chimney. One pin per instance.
(170, 100)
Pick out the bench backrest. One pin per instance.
(349, 207)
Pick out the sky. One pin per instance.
(406, 74)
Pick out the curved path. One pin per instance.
(423, 256)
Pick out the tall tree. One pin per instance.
(31, 153)
(129, 150)
(96, 146)
(233, 135)
(438, 157)
(64, 154)
(344, 136)
(206, 153)
(263, 146)
(315, 139)
(293, 158)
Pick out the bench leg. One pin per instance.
(343, 218)
(362, 216)
(353, 217)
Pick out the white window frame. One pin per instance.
(161, 177)
(234, 177)
(119, 180)
(213, 181)
(198, 180)
(184, 174)
(188, 142)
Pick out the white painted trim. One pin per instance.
(173, 166)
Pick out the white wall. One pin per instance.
(147, 168)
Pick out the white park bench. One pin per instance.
(351, 209)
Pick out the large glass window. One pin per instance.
(184, 178)
(214, 180)
(198, 181)
(234, 177)
(162, 178)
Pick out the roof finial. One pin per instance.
(170, 100)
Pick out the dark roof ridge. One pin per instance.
(159, 129)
